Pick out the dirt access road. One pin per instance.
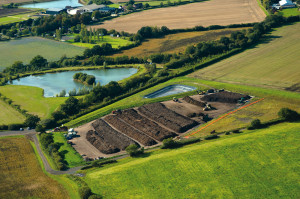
(213, 12)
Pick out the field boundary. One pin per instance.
(223, 117)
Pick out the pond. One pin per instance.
(170, 90)
(54, 83)
(54, 4)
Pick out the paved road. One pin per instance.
(11, 133)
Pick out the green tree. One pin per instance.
(133, 150)
(71, 106)
(32, 120)
(288, 114)
(169, 143)
(58, 34)
(255, 124)
(38, 62)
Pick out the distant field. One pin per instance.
(213, 12)
(274, 63)
(26, 48)
(8, 115)
(258, 164)
(114, 41)
(17, 17)
(12, 11)
(175, 43)
(21, 175)
(31, 99)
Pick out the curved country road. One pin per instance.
(46, 163)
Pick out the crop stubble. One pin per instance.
(214, 12)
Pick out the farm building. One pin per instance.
(286, 4)
(53, 11)
(90, 8)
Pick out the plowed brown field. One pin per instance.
(213, 12)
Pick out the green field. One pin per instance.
(290, 12)
(72, 158)
(17, 17)
(258, 164)
(26, 48)
(114, 41)
(8, 115)
(274, 63)
(31, 99)
(21, 175)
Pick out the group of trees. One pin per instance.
(104, 49)
(84, 78)
(48, 25)
(52, 148)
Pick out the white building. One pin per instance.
(88, 8)
(286, 4)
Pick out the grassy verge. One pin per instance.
(68, 184)
(72, 157)
(245, 163)
(49, 159)
(262, 7)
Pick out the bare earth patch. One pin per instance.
(214, 12)
(160, 124)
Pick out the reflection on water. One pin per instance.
(54, 83)
(54, 4)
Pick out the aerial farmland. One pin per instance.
(149, 99)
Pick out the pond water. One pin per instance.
(54, 83)
(170, 90)
(53, 4)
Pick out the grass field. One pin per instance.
(26, 48)
(258, 164)
(214, 12)
(71, 156)
(17, 17)
(274, 63)
(31, 99)
(114, 41)
(21, 175)
(175, 43)
(8, 115)
(290, 12)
